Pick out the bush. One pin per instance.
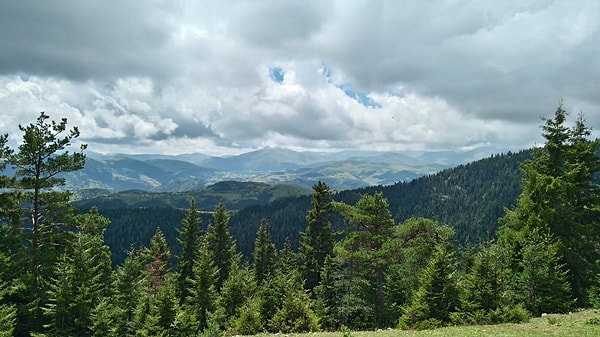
(249, 320)
(428, 324)
(507, 314)
(295, 316)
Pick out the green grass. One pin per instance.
(582, 323)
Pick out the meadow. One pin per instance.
(580, 323)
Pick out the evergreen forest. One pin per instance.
(494, 241)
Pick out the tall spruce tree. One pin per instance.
(203, 295)
(329, 294)
(561, 196)
(221, 244)
(157, 307)
(83, 279)
(189, 239)
(264, 254)
(317, 241)
(294, 308)
(130, 287)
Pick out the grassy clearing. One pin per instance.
(581, 323)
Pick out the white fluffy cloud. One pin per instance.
(186, 76)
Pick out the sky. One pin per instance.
(223, 77)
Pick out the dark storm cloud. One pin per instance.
(85, 39)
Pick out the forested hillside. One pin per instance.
(469, 198)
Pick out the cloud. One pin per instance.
(229, 76)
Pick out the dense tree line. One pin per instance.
(354, 265)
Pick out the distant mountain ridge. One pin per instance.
(342, 170)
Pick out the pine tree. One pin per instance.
(329, 294)
(130, 286)
(83, 279)
(437, 296)
(39, 160)
(487, 293)
(158, 305)
(317, 241)
(36, 214)
(372, 248)
(561, 196)
(189, 239)
(543, 284)
(158, 266)
(160, 310)
(294, 308)
(237, 288)
(203, 295)
(221, 243)
(249, 320)
(262, 306)
(264, 254)
(418, 239)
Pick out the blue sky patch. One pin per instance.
(277, 74)
(360, 96)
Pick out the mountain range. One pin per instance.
(107, 173)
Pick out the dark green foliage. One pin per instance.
(486, 291)
(485, 285)
(35, 217)
(107, 320)
(329, 294)
(188, 238)
(561, 196)
(317, 240)
(8, 312)
(129, 288)
(157, 307)
(83, 278)
(372, 248)
(294, 311)
(158, 310)
(542, 284)
(418, 239)
(134, 227)
(8, 315)
(203, 295)
(469, 198)
(264, 254)
(437, 296)
(237, 288)
(295, 315)
(221, 244)
(249, 320)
